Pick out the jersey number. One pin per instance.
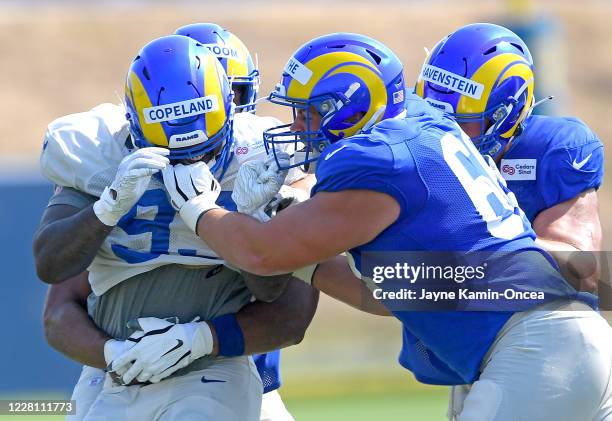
(158, 227)
(493, 201)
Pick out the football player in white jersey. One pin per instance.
(148, 240)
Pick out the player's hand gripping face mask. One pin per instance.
(257, 184)
(133, 177)
(178, 97)
(193, 190)
(337, 86)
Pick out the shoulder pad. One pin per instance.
(83, 150)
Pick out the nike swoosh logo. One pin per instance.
(177, 346)
(329, 155)
(580, 164)
(205, 380)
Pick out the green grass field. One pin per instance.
(388, 407)
(368, 396)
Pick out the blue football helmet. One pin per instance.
(234, 57)
(178, 97)
(351, 80)
(481, 73)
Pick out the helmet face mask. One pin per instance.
(178, 97)
(351, 81)
(481, 73)
(312, 114)
(234, 57)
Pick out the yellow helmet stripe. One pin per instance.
(237, 67)
(524, 72)
(213, 72)
(154, 132)
(320, 66)
(420, 87)
(376, 88)
(488, 75)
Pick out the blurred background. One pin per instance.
(61, 57)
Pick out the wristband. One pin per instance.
(229, 335)
(192, 210)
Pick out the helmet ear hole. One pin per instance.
(375, 56)
(518, 47)
(490, 50)
(354, 118)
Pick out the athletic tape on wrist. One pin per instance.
(229, 335)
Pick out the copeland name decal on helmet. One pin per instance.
(181, 109)
(178, 96)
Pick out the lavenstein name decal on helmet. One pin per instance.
(452, 81)
(182, 109)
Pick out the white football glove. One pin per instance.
(257, 183)
(133, 177)
(164, 348)
(286, 196)
(113, 348)
(193, 190)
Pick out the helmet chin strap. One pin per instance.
(250, 104)
(374, 118)
(339, 104)
(505, 110)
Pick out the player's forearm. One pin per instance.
(579, 267)
(242, 241)
(70, 331)
(66, 247)
(335, 279)
(270, 326)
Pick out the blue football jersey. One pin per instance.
(449, 202)
(553, 160)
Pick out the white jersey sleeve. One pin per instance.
(83, 150)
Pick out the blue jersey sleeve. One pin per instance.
(352, 166)
(571, 171)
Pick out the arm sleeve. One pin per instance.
(71, 197)
(571, 171)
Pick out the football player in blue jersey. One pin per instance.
(394, 174)
(67, 325)
(482, 74)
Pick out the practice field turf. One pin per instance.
(390, 407)
(421, 406)
(364, 397)
(369, 396)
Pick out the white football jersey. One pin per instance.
(83, 151)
